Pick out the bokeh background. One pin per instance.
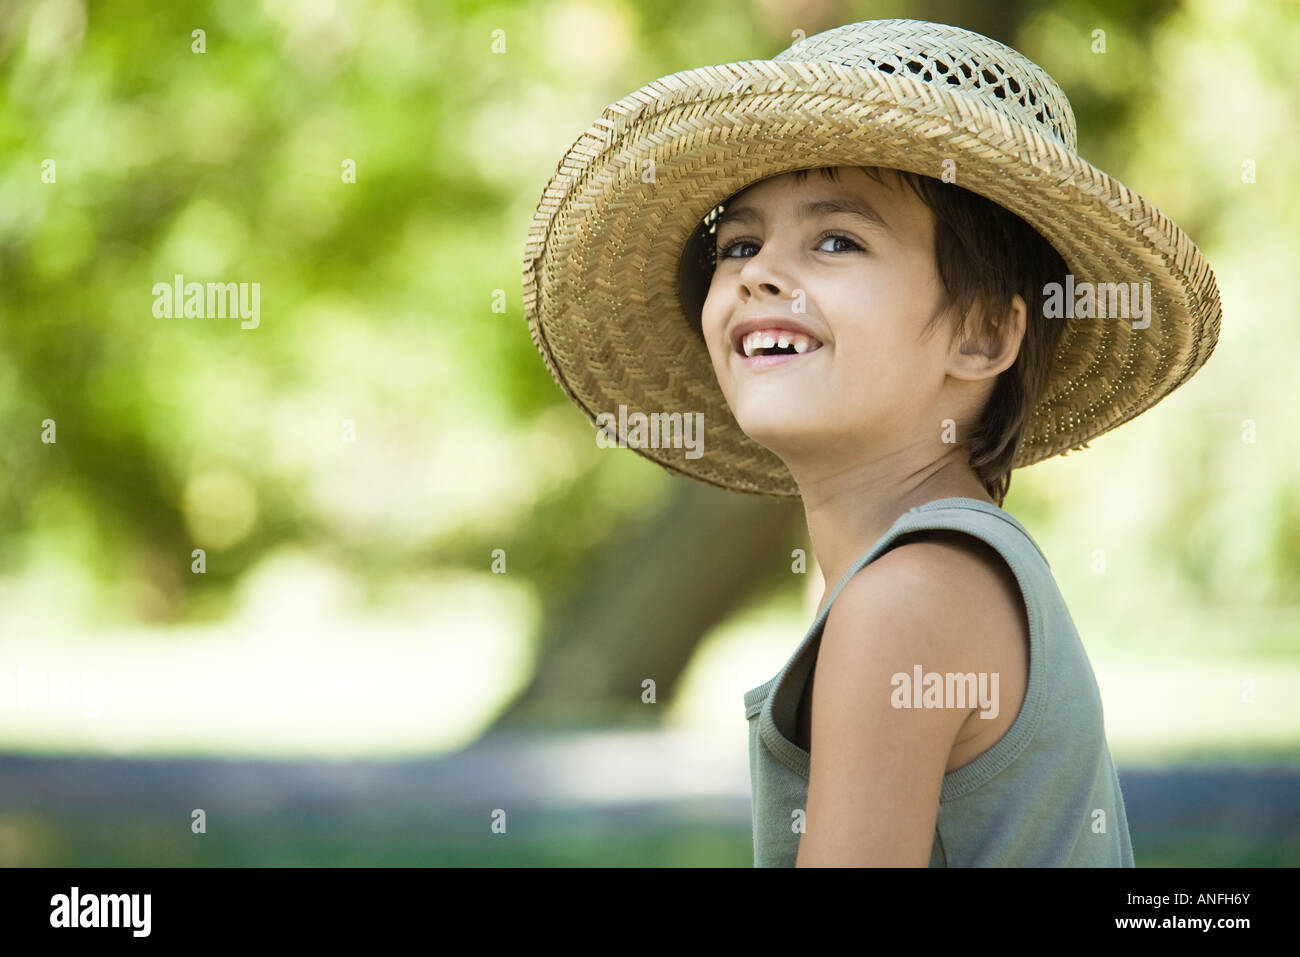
(347, 680)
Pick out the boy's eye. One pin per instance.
(725, 251)
(838, 237)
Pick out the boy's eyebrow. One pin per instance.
(818, 207)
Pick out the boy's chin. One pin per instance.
(775, 429)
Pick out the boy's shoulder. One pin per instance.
(948, 587)
(947, 601)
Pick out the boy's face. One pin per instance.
(865, 290)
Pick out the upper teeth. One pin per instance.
(760, 339)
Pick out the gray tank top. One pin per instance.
(1045, 795)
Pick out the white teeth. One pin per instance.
(751, 343)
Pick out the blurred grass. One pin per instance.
(330, 840)
(418, 840)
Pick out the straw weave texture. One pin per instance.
(601, 263)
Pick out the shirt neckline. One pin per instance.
(758, 701)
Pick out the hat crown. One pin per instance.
(949, 57)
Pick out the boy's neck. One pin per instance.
(846, 516)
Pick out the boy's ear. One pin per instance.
(994, 345)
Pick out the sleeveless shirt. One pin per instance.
(1046, 794)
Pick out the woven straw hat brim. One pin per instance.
(601, 264)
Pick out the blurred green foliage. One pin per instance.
(379, 297)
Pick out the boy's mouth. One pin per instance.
(764, 342)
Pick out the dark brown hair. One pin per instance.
(985, 255)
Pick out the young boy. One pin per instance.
(888, 345)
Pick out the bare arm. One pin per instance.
(876, 771)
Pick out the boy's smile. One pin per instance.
(757, 363)
(771, 340)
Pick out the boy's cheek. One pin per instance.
(712, 339)
(723, 375)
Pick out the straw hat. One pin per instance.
(605, 279)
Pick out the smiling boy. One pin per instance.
(873, 339)
(856, 417)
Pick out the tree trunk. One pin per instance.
(650, 600)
